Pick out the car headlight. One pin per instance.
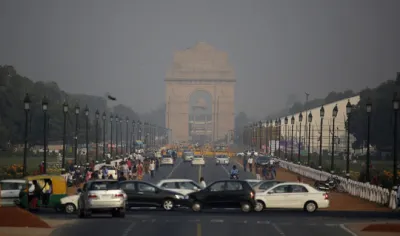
(179, 196)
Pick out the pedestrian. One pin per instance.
(250, 161)
(152, 168)
(121, 177)
(203, 183)
(245, 163)
(258, 172)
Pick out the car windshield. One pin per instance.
(222, 156)
(108, 167)
(198, 157)
(104, 185)
(263, 158)
(189, 153)
(167, 157)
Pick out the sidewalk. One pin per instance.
(382, 229)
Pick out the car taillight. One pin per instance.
(326, 196)
(251, 195)
(119, 195)
(92, 196)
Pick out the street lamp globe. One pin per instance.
(77, 109)
(127, 119)
(301, 117)
(104, 115)
(45, 103)
(27, 102)
(86, 111)
(369, 106)
(65, 106)
(111, 117)
(292, 120)
(348, 107)
(322, 112)
(97, 114)
(396, 103)
(335, 111)
(133, 122)
(116, 118)
(309, 117)
(286, 120)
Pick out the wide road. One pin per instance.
(184, 222)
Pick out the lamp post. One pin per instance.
(77, 110)
(120, 133)
(396, 104)
(260, 133)
(270, 136)
(279, 137)
(97, 116)
(45, 104)
(348, 112)
(116, 134)
(65, 111)
(140, 132)
(127, 135)
(334, 114)
(291, 151)
(369, 110)
(104, 134)
(321, 115)
(87, 133)
(286, 135)
(276, 131)
(133, 136)
(309, 137)
(267, 137)
(299, 144)
(27, 107)
(111, 135)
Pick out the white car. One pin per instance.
(292, 195)
(10, 189)
(221, 160)
(182, 186)
(198, 161)
(167, 160)
(188, 156)
(70, 203)
(240, 154)
(252, 182)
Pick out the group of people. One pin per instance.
(41, 191)
(263, 172)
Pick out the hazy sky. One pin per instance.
(276, 47)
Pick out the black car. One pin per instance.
(263, 160)
(224, 194)
(143, 194)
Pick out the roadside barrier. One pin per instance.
(365, 191)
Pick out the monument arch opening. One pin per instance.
(200, 117)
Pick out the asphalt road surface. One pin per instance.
(184, 222)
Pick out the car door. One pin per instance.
(171, 186)
(278, 197)
(186, 187)
(233, 195)
(147, 194)
(130, 190)
(215, 196)
(298, 196)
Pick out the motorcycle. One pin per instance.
(235, 176)
(331, 184)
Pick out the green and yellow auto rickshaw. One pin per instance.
(47, 192)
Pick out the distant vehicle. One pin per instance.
(198, 160)
(188, 156)
(167, 160)
(182, 186)
(292, 195)
(222, 160)
(10, 190)
(101, 196)
(143, 194)
(224, 194)
(263, 160)
(110, 170)
(265, 184)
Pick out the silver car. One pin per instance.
(265, 184)
(101, 196)
(221, 160)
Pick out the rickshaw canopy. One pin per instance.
(59, 184)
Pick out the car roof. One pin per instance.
(252, 180)
(103, 180)
(18, 181)
(175, 180)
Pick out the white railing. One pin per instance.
(366, 191)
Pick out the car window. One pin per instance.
(104, 185)
(8, 186)
(219, 186)
(188, 185)
(234, 186)
(281, 189)
(267, 185)
(298, 189)
(146, 187)
(128, 186)
(169, 185)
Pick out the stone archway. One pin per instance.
(200, 68)
(200, 116)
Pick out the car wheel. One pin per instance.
(310, 206)
(168, 204)
(196, 207)
(259, 206)
(245, 207)
(70, 208)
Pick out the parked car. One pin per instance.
(292, 195)
(198, 160)
(221, 160)
(263, 185)
(188, 156)
(167, 160)
(70, 203)
(10, 190)
(101, 196)
(224, 194)
(143, 194)
(182, 186)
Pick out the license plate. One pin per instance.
(105, 196)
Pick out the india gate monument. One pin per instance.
(200, 87)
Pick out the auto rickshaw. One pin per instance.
(56, 183)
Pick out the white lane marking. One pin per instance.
(129, 229)
(263, 222)
(279, 230)
(347, 230)
(223, 167)
(173, 169)
(217, 221)
(331, 225)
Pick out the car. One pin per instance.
(101, 196)
(222, 160)
(143, 194)
(70, 203)
(198, 160)
(10, 190)
(167, 160)
(263, 185)
(187, 156)
(253, 182)
(263, 160)
(182, 186)
(224, 194)
(292, 195)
